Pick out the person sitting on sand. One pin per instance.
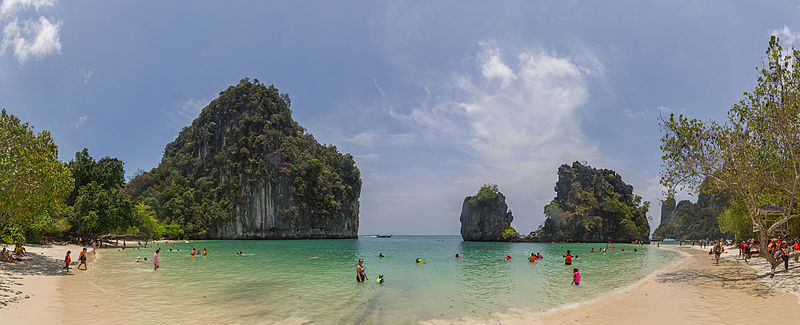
(576, 276)
(82, 259)
(6, 257)
(67, 260)
(19, 250)
(361, 271)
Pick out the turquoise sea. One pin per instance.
(274, 281)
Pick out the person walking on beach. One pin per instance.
(67, 260)
(361, 271)
(718, 250)
(155, 259)
(82, 258)
(785, 257)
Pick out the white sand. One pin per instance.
(37, 278)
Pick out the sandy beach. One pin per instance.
(691, 291)
(29, 289)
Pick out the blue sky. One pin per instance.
(433, 98)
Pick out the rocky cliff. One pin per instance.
(245, 169)
(593, 205)
(485, 216)
(688, 220)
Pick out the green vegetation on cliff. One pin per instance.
(593, 205)
(242, 139)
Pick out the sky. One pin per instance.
(432, 98)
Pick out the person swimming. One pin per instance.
(538, 255)
(458, 256)
(508, 258)
(381, 255)
(381, 279)
(419, 261)
(592, 250)
(204, 252)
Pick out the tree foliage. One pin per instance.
(33, 182)
(754, 155)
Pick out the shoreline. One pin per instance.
(690, 291)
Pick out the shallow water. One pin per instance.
(273, 282)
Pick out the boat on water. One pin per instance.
(383, 236)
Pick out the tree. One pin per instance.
(32, 179)
(146, 222)
(754, 156)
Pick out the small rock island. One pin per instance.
(485, 216)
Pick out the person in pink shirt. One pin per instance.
(576, 277)
(155, 259)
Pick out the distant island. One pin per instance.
(686, 220)
(245, 169)
(591, 205)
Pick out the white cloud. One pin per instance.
(191, 108)
(517, 132)
(87, 75)
(80, 121)
(787, 36)
(10, 7)
(31, 38)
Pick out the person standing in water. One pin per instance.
(155, 259)
(82, 258)
(361, 271)
(576, 276)
(567, 258)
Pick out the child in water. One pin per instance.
(381, 279)
(576, 277)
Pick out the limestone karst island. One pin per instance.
(382, 162)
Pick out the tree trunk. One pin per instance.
(763, 243)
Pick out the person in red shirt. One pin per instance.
(82, 259)
(67, 260)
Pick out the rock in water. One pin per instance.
(485, 217)
(593, 205)
(245, 169)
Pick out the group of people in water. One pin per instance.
(361, 273)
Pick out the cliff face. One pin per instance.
(245, 169)
(688, 220)
(593, 205)
(485, 217)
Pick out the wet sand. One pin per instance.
(691, 291)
